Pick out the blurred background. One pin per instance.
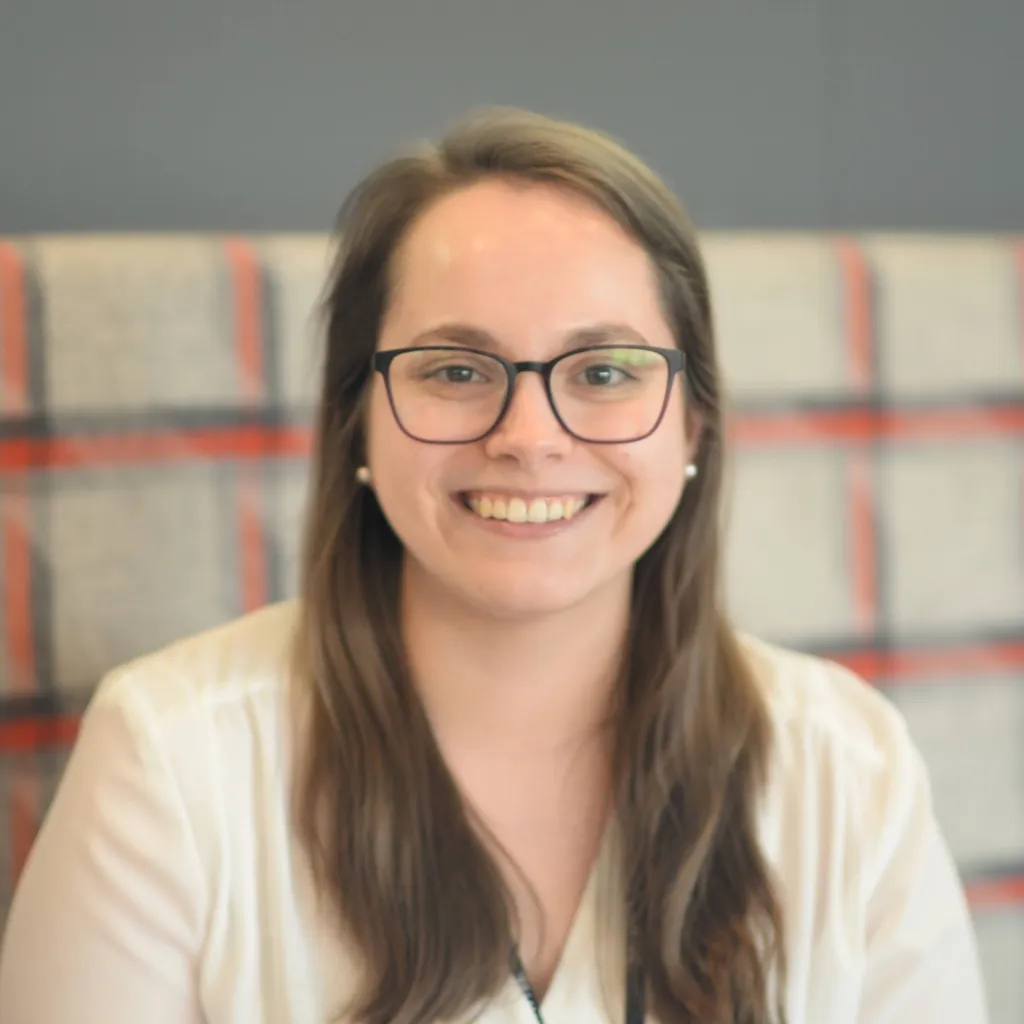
(256, 115)
(167, 176)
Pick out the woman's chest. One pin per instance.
(275, 954)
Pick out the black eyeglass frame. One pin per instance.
(382, 361)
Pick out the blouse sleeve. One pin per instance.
(106, 922)
(922, 960)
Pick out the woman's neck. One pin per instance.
(527, 686)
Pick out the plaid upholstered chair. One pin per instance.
(154, 397)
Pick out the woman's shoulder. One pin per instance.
(843, 769)
(167, 836)
(818, 704)
(239, 662)
(209, 718)
(213, 706)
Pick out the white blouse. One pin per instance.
(165, 885)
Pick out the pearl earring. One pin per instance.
(691, 470)
(363, 475)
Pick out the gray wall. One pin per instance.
(260, 114)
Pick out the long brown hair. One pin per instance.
(394, 850)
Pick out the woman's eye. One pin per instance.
(603, 375)
(457, 374)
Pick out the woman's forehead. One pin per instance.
(486, 219)
(497, 248)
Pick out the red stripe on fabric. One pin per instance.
(24, 821)
(248, 316)
(17, 593)
(251, 442)
(252, 547)
(863, 554)
(857, 312)
(172, 446)
(999, 892)
(863, 426)
(23, 735)
(14, 352)
(905, 665)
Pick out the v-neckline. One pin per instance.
(578, 977)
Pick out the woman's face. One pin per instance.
(527, 271)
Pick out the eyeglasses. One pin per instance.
(446, 394)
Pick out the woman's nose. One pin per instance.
(529, 427)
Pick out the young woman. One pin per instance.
(504, 760)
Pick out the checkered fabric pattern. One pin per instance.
(155, 397)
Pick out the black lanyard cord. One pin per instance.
(634, 991)
(635, 902)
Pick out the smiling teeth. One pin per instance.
(518, 510)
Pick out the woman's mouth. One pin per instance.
(513, 508)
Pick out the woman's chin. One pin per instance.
(516, 589)
(525, 595)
